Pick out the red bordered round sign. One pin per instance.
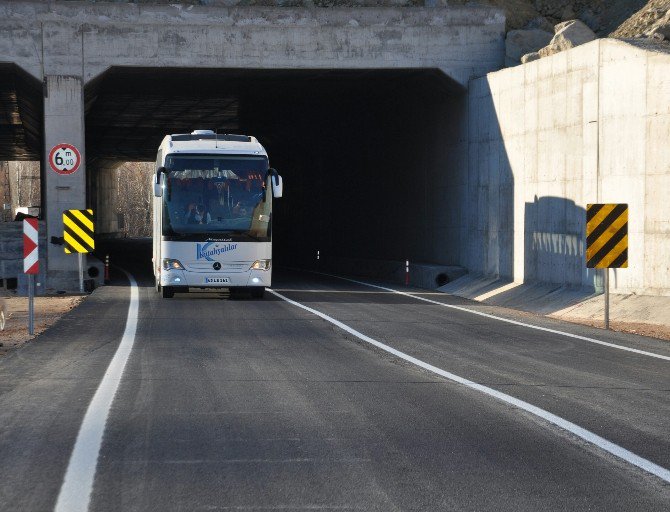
(64, 158)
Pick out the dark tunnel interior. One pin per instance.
(366, 155)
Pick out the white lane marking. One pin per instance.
(507, 320)
(582, 433)
(75, 492)
(354, 292)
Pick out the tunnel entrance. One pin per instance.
(369, 157)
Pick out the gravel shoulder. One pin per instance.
(48, 310)
(643, 329)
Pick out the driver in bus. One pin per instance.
(191, 213)
(239, 210)
(201, 215)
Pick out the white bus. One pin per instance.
(213, 213)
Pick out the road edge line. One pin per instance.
(77, 486)
(500, 318)
(584, 434)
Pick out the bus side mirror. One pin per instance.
(277, 185)
(158, 188)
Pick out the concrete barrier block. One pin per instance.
(13, 246)
(10, 268)
(7, 255)
(95, 270)
(40, 284)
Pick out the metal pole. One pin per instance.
(107, 269)
(81, 272)
(607, 298)
(31, 309)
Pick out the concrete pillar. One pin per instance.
(63, 123)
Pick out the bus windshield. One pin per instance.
(215, 195)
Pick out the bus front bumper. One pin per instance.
(215, 279)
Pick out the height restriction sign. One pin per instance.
(64, 158)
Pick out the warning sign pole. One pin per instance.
(31, 304)
(30, 265)
(81, 271)
(607, 298)
(607, 242)
(78, 231)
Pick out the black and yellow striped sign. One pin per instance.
(607, 236)
(78, 231)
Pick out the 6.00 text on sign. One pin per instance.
(64, 158)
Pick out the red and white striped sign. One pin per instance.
(30, 242)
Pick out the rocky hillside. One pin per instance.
(539, 28)
(601, 16)
(648, 21)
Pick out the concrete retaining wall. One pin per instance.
(584, 126)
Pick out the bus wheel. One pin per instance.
(258, 292)
(167, 292)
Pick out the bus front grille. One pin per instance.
(208, 266)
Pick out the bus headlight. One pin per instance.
(169, 264)
(260, 265)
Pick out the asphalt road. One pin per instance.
(261, 405)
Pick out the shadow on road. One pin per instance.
(134, 256)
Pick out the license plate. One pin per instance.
(218, 280)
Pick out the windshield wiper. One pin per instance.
(244, 233)
(174, 236)
(177, 236)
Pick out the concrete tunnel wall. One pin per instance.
(84, 39)
(588, 125)
(106, 188)
(69, 44)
